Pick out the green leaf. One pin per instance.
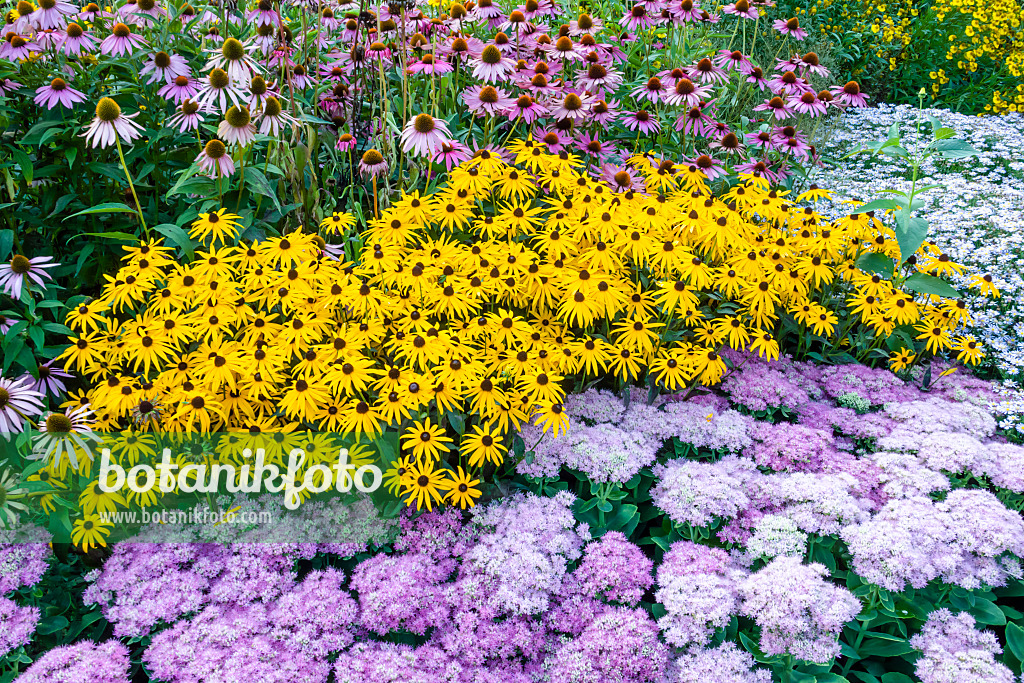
(875, 263)
(625, 519)
(258, 184)
(6, 244)
(177, 235)
(24, 161)
(106, 207)
(896, 677)
(831, 678)
(929, 284)
(955, 149)
(986, 612)
(911, 235)
(52, 625)
(944, 133)
(884, 645)
(112, 235)
(1015, 640)
(877, 204)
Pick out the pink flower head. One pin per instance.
(19, 401)
(810, 62)
(110, 124)
(423, 135)
(705, 71)
(74, 40)
(733, 61)
(696, 122)
(58, 92)
(51, 14)
(686, 93)
(790, 27)
(638, 19)
(18, 48)
(491, 66)
(778, 106)
(372, 164)
(741, 8)
(237, 128)
(621, 178)
(808, 103)
(21, 270)
(642, 121)
(653, 90)
(850, 95)
(603, 113)
(590, 145)
(430, 66)
(188, 117)
(451, 154)
(179, 89)
(572, 106)
(215, 161)
(789, 83)
(165, 67)
(712, 168)
(527, 109)
(598, 76)
(121, 41)
(486, 100)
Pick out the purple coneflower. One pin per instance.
(696, 122)
(345, 143)
(728, 143)
(705, 71)
(653, 90)
(264, 14)
(372, 164)
(733, 60)
(795, 146)
(808, 103)
(810, 62)
(486, 100)
(758, 168)
(165, 67)
(215, 161)
(219, 92)
(638, 19)
(50, 379)
(756, 76)
(790, 84)
(687, 94)
(603, 113)
(187, 118)
(590, 145)
(378, 51)
(21, 270)
(779, 108)
(741, 8)
(850, 95)
(18, 48)
(179, 89)
(423, 134)
(6, 323)
(712, 168)
(90, 12)
(491, 66)
(58, 92)
(527, 109)
(642, 121)
(62, 434)
(597, 76)
(110, 124)
(17, 401)
(430, 66)
(237, 128)
(121, 41)
(7, 85)
(51, 14)
(564, 50)
(259, 91)
(685, 11)
(790, 27)
(273, 118)
(585, 24)
(300, 79)
(75, 39)
(552, 138)
(574, 107)
(621, 178)
(232, 58)
(487, 10)
(452, 154)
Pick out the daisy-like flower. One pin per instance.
(850, 95)
(621, 178)
(17, 401)
(7, 85)
(121, 41)
(758, 167)
(696, 122)
(564, 50)
(110, 124)
(741, 8)
(264, 14)
(430, 65)
(18, 48)
(638, 19)
(423, 134)
(6, 323)
(491, 66)
(590, 145)
(527, 109)
(790, 27)
(346, 143)
(712, 168)
(74, 40)
(63, 434)
(789, 83)
(574, 107)
(779, 108)
(232, 58)
(810, 62)
(164, 67)
(733, 60)
(603, 113)
(51, 14)
(372, 164)
(756, 76)
(795, 146)
(598, 76)
(21, 270)
(585, 24)
(50, 379)
(729, 143)
(452, 154)
(187, 117)
(58, 92)
(219, 226)
(237, 128)
(179, 89)
(642, 121)
(215, 161)
(219, 92)
(486, 100)
(808, 103)
(685, 11)
(273, 119)
(705, 71)
(686, 93)
(552, 138)
(10, 495)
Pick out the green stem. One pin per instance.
(131, 185)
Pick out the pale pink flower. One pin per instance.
(424, 134)
(58, 92)
(110, 124)
(121, 41)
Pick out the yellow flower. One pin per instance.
(91, 532)
(463, 491)
(426, 441)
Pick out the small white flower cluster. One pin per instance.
(976, 216)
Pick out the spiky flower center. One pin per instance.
(684, 86)
(181, 81)
(74, 30)
(328, 13)
(377, 47)
(238, 117)
(457, 11)
(107, 110)
(596, 71)
(272, 107)
(638, 12)
(488, 94)
(490, 55)
(811, 59)
(564, 44)
(5, 398)
(232, 49)
(572, 102)
(25, 8)
(47, 4)
(424, 123)
(122, 30)
(851, 88)
(622, 178)
(215, 149)
(58, 84)
(58, 423)
(460, 45)
(219, 79)
(742, 5)
(188, 107)
(162, 60)
(585, 22)
(372, 158)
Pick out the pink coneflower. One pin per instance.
(621, 178)
(642, 121)
(790, 27)
(372, 164)
(49, 39)
(215, 161)
(696, 122)
(378, 51)
(598, 76)
(603, 113)
(538, 84)
(121, 41)
(733, 61)
(808, 103)
(219, 92)
(687, 94)
(423, 135)
(728, 143)
(789, 83)
(758, 168)
(685, 11)
(50, 379)
(527, 109)
(653, 90)
(486, 100)
(232, 58)
(237, 128)
(756, 76)
(586, 24)
(564, 50)
(762, 140)
(6, 323)
(18, 48)
(265, 38)
(462, 48)
(779, 108)
(346, 143)
(850, 95)
(795, 146)
(179, 89)
(553, 139)
(74, 40)
(273, 119)
(590, 145)
(810, 62)
(17, 402)
(164, 67)
(7, 85)
(638, 19)
(741, 8)
(188, 117)
(705, 71)
(259, 91)
(487, 10)
(430, 66)
(52, 14)
(491, 66)
(264, 14)
(452, 154)
(300, 79)
(712, 168)
(63, 434)
(58, 92)
(572, 106)
(21, 270)
(90, 12)
(110, 124)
